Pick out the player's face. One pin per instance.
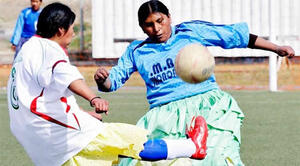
(67, 37)
(35, 4)
(158, 27)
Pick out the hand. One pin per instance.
(13, 47)
(101, 75)
(95, 115)
(101, 105)
(285, 51)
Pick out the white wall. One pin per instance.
(117, 19)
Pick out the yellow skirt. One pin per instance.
(116, 139)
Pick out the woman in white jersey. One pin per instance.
(174, 102)
(48, 123)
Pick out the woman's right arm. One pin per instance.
(115, 78)
(102, 80)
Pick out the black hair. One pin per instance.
(53, 17)
(149, 7)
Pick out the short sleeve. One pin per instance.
(64, 74)
(59, 74)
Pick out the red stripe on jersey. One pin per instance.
(33, 109)
(64, 100)
(64, 61)
(76, 120)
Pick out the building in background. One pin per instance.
(115, 22)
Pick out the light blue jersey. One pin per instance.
(155, 61)
(26, 25)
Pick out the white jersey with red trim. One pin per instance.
(44, 115)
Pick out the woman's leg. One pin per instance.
(194, 146)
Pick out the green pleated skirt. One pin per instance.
(224, 119)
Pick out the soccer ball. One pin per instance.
(194, 63)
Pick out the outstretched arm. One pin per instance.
(260, 43)
(80, 88)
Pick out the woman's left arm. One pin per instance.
(260, 43)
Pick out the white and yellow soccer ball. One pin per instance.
(194, 63)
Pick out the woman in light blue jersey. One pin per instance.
(174, 102)
(26, 25)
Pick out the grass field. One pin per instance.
(270, 134)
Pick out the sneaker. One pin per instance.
(198, 134)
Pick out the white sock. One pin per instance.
(180, 148)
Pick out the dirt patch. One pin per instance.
(4, 73)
